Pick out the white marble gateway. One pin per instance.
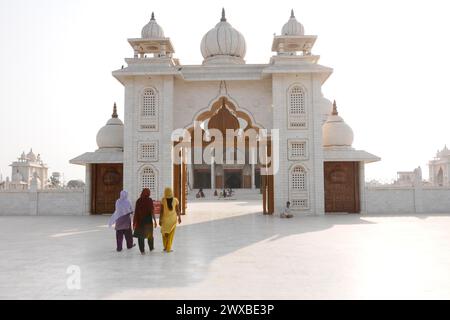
(440, 168)
(225, 92)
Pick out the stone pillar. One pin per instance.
(317, 173)
(253, 165)
(279, 122)
(191, 176)
(362, 187)
(253, 177)
(163, 51)
(88, 190)
(166, 129)
(130, 167)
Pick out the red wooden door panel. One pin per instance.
(341, 187)
(108, 180)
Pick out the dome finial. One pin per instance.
(224, 19)
(152, 30)
(335, 112)
(115, 115)
(293, 27)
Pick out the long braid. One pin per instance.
(170, 203)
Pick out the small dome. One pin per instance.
(111, 135)
(152, 30)
(336, 133)
(293, 27)
(31, 156)
(223, 40)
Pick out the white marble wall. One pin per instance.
(398, 200)
(380, 200)
(43, 202)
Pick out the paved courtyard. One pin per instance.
(228, 250)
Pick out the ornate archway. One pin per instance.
(223, 116)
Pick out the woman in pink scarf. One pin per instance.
(122, 219)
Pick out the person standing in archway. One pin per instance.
(144, 221)
(170, 214)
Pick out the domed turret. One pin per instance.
(293, 40)
(152, 30)
(444, 153)
(111, 135)
(31, 156)
(223, 44)
(336, 133)
(293, 27)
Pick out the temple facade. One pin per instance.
(27, 170)
(276, 114)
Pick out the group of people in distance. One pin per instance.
(225, 193)
(144, 220)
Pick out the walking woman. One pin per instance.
(122, 219)
(170, 214)
(144, 220)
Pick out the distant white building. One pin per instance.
(25, 169)
(409, 178)
(440, 168)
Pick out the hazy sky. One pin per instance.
(391, 62)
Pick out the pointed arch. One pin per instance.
(216, 103)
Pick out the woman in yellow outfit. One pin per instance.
(170, 213)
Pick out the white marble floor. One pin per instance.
(228, 250)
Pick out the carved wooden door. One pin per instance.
(107, 184)
(342, 187)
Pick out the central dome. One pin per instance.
(223, 43)
(31, 156)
